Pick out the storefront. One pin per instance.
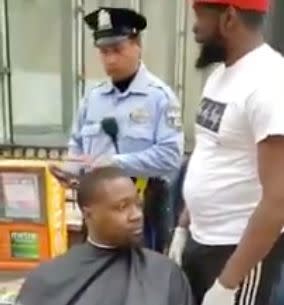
(47, 62)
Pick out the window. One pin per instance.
(41, 70)
(160, 37)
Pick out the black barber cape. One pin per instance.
(88, 275)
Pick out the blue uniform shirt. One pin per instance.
(148, 114)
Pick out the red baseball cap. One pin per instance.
(255, 5)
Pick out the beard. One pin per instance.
(210, 54)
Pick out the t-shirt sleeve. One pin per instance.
(265, 111)
(180, 291)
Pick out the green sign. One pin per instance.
(25, 245)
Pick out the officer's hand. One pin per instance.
(178, 244)
(103, 162)
(58, 173)
(63, 177)
(219, 295)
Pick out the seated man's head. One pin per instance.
(111, 207)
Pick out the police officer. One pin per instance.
(133, 119)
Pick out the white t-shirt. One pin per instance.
(241, 106)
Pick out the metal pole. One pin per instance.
(80, 48)
(83, 45)
(8, 72)
(2, 71)
(180, 50)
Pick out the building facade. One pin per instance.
(48, 62)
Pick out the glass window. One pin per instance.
(160, 37)
(35, 31)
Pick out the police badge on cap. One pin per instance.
(112, 25)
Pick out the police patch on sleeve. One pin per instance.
(173, 116)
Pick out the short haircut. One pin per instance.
(90, 182)
(252, 19)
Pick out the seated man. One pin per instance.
(110, 268)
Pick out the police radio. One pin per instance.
(110, 127)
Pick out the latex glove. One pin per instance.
(219, 295)
(178, 244)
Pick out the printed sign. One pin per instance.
(20, 196)
(25, 245)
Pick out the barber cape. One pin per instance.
(91, 275)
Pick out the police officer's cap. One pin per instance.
(112, 25)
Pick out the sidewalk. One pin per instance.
(10, 284)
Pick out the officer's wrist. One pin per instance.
(118, 160)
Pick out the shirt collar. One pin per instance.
(137, 86)
(98, 245)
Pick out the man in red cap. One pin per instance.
(234, 186)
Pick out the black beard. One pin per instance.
(210, 54)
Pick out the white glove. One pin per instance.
(178, 244)
(219, 295)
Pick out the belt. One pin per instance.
(141, 185)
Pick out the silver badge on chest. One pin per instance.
(140, 116)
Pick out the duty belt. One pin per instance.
(141, 185)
